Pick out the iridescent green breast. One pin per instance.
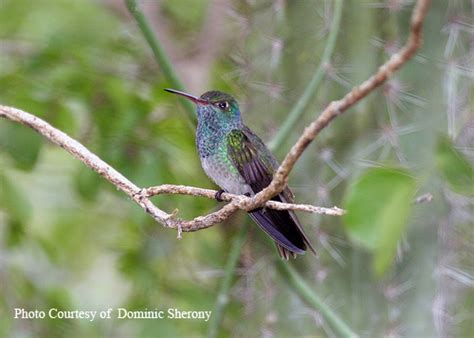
(219, 167)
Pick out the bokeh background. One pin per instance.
(70, 240)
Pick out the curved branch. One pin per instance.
(141, 196)
(83, 154)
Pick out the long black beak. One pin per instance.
(193, 98)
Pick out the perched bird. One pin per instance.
(239, 163)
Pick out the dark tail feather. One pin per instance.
(281, 226)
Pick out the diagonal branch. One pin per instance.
(80, 152)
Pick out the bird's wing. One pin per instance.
(256, 165)
(249, 161)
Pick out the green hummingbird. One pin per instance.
(238, 161)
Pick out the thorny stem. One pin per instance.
(160, 56)
(310, 297)
(298, 109)
(226, 283)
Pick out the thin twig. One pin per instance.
(241, 201)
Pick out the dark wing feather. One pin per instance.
(256, 165)
(246, 159)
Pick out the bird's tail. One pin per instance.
(283, 227)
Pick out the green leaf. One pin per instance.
(378, 205)
(454, 167)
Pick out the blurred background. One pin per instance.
(70, 240)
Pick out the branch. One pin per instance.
(91, 160)
(141, 196)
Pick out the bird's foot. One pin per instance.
(218, 195)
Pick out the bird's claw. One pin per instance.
(218, 195)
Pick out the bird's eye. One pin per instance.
(224, 105)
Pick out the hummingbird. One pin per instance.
(238, 161)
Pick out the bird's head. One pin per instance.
(213, 105)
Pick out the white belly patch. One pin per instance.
(219, 172)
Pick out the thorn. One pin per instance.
(174, 213)
(425, 198)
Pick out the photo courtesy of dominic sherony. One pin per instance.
(112, 313)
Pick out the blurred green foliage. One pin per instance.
(70, 240)
(13, 200)
(378, 205)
